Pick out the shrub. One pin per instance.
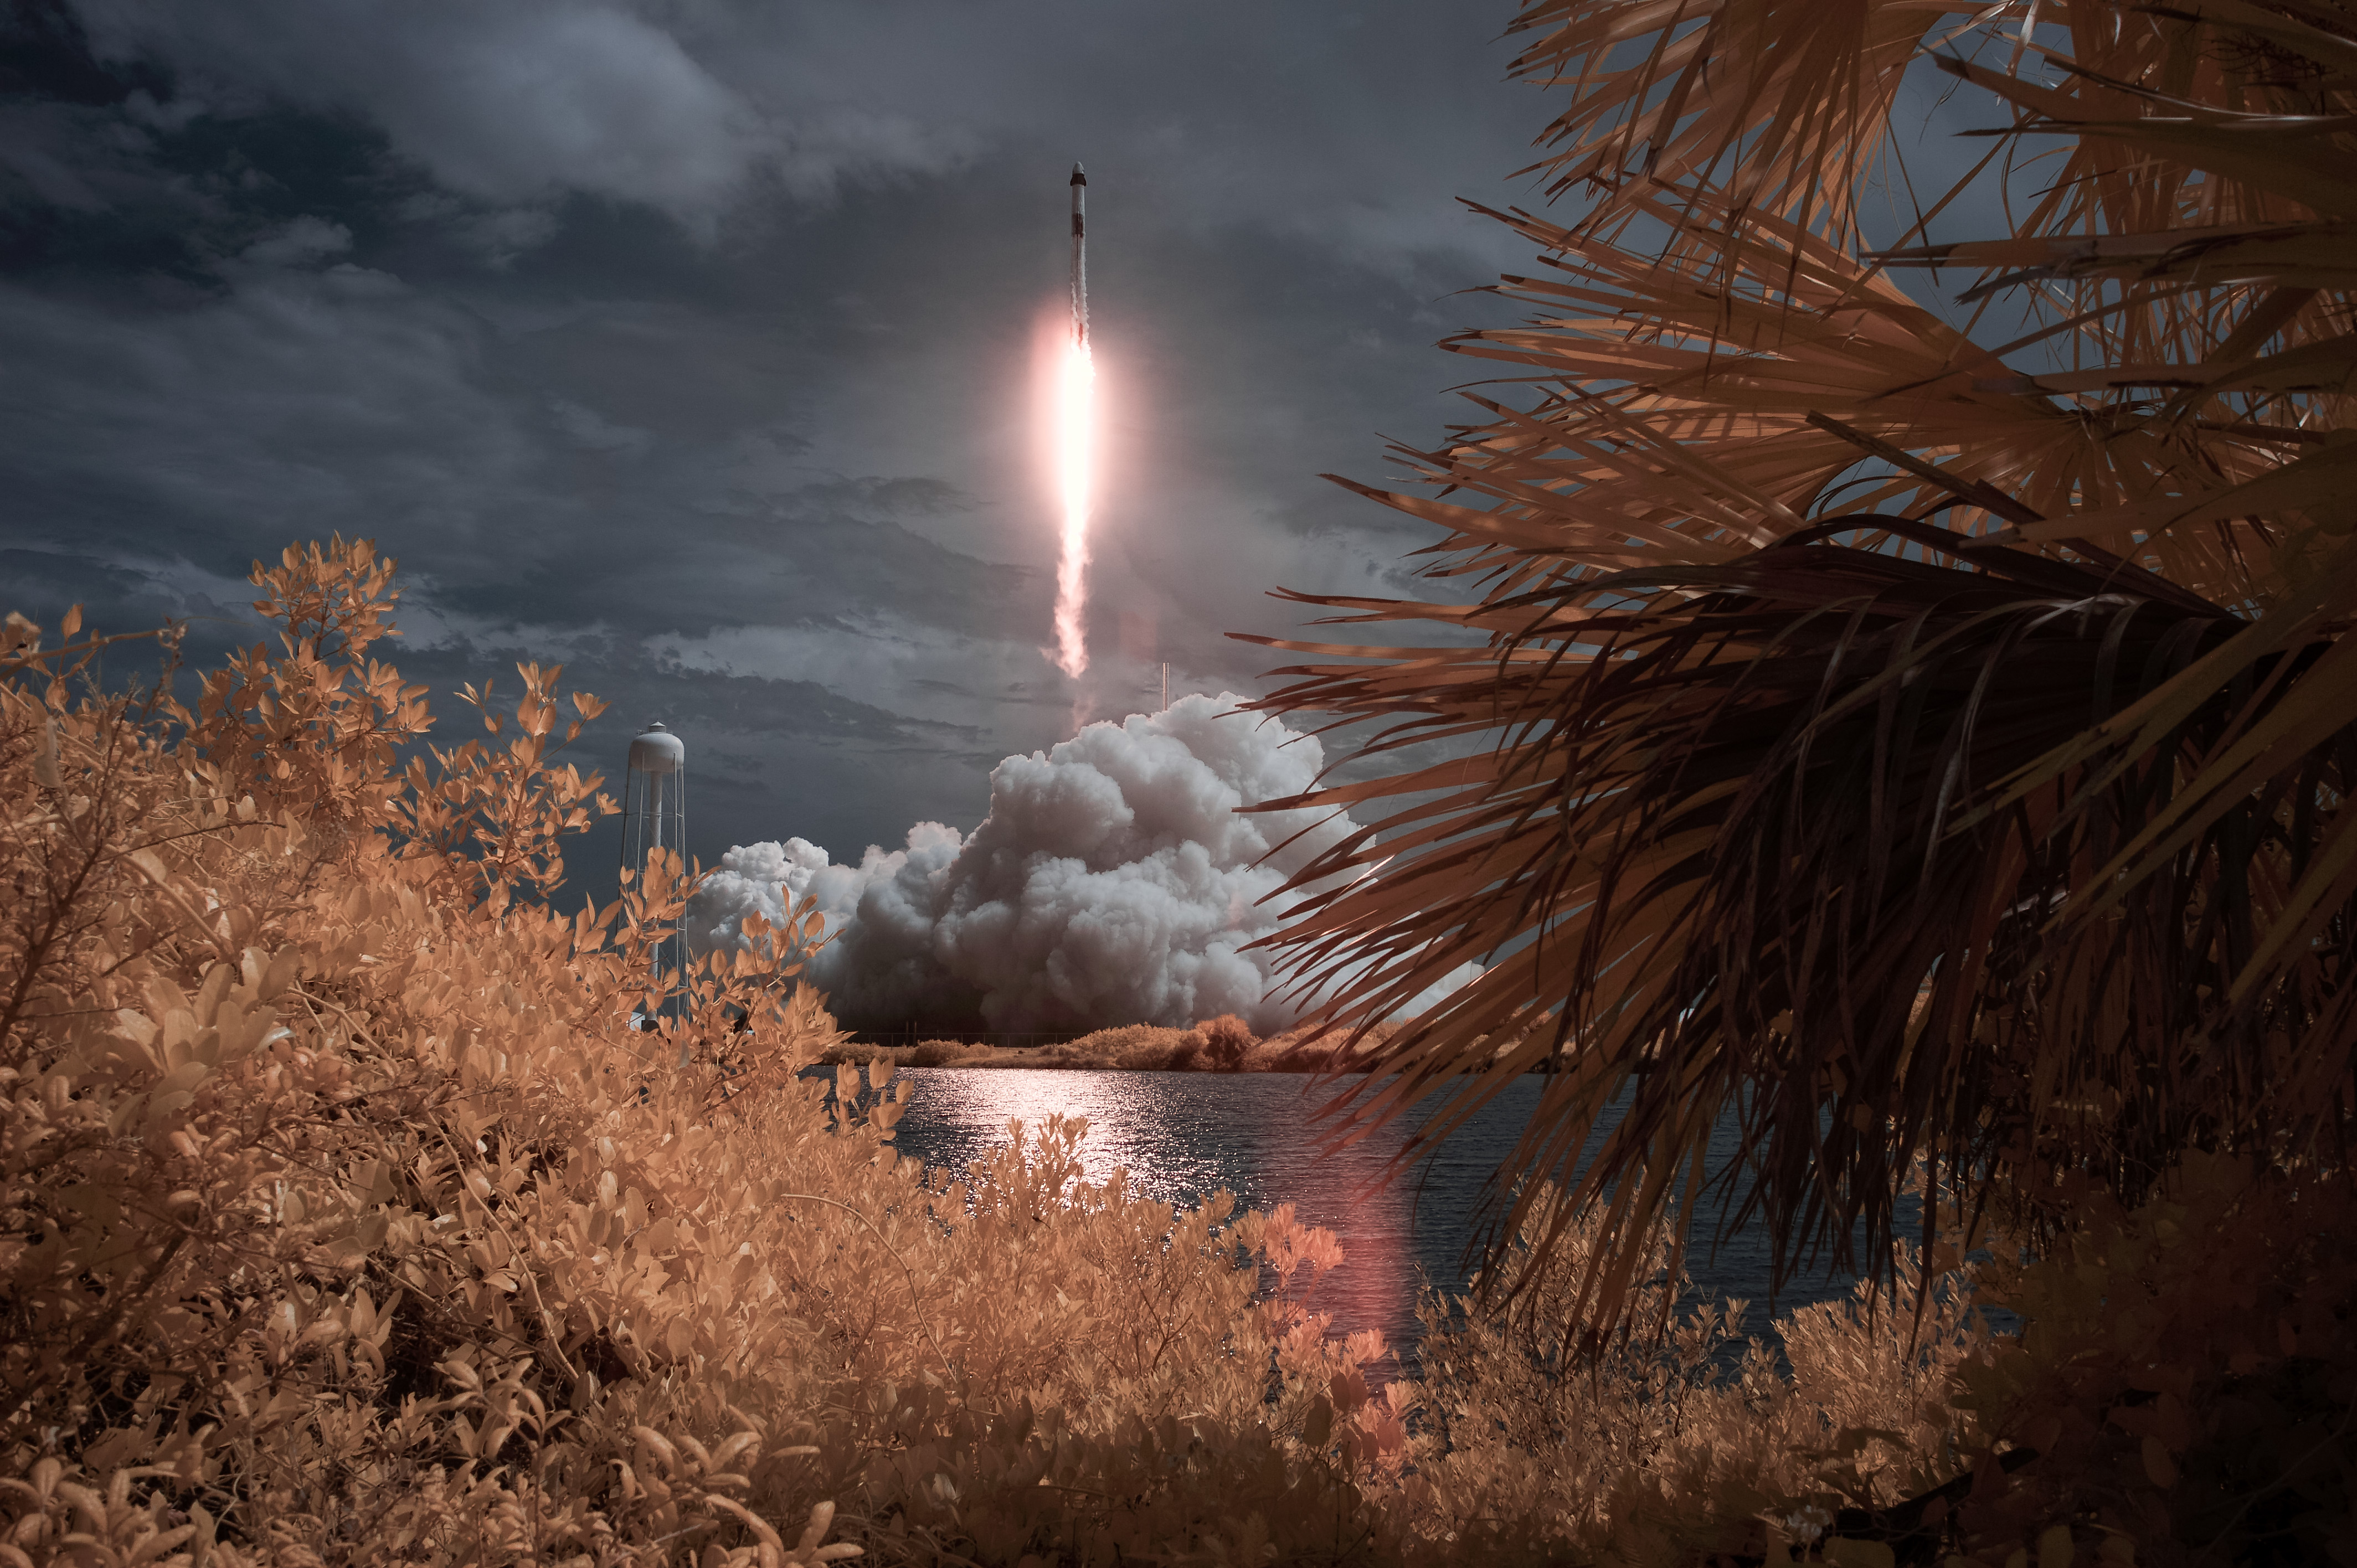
(1533, 1437)
(934, 1053)
(1226, 1039)
(2185, 1374)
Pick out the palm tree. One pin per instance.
(1914, 738)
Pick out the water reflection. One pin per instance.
(1182, 1136)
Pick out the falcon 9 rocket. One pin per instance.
(1075, 440)
(1079, 256)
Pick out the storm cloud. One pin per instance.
(693, 345)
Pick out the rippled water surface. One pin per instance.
(1182, 1136)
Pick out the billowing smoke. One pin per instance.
(1114, 882)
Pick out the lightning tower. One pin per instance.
(654, 817)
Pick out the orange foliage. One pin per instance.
(347, 1216)
(350, 1216)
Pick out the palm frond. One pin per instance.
(1900, 750)
(1776, 105)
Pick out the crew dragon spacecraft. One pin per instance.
(1079, 256)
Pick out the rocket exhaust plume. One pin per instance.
(1075, 455)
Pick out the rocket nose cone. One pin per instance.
(1079, 177)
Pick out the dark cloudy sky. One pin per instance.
(691, 342)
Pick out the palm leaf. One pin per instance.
(1899, 750)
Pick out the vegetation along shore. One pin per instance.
(1225, 1043)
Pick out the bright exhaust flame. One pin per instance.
(1076, 477)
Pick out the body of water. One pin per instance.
(1184, 1135)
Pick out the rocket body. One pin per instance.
(1080, 257)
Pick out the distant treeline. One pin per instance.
(1215, 1045)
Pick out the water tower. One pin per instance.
(654, 816)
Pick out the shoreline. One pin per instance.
(1218, 1046)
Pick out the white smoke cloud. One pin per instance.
(1114, 882)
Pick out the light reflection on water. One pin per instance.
(1183, 1136)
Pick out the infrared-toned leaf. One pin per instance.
(1857, 747)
